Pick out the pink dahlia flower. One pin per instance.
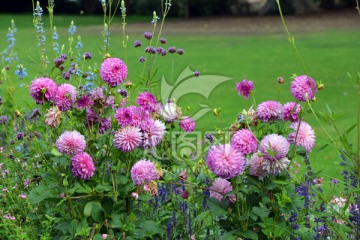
(65, 97)
(113, 71)
(305, 137)
(147, 101)
(170, 112)
(143, 171)
(269, 111)
(225, 162)
(219, 188)
(84, 102)
(291, 111)
(187, 124)
(43, 89)
(132, 116)
(70, 143)
(303, 88)
(153, 132)
(244, 88)
(128, 138)
(244, 141)
(82, 166)
(274, 147)
(262, 167)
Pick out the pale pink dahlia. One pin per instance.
(305, 137)
(70, 143)
(274, 147)
(143, 171)
(244, 88)
(128, 138)
(82, 166)
(225, 162)
(113, 71)
(65, 97)
(291, 111)
(303, 88)
(244, 141)
(262, 167)
(147, 101)
(269, 111)
(43, 89)
(170, 112)
(187, 124)
(153, 132)
(219, 188)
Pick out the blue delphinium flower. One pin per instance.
(56, 45)
(20, 71)
(72, 28)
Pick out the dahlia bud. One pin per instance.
(185, 194)
(217, 111)
(280, 80)
(321, 86)
(183, 175)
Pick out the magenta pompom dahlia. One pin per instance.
(143, 171)
(244, 141)
(133, 116)
(244, 88)
(291, 111)
(113, 71)
(187, 124)
(147, 101)
(128, 138)
(219, 188)
(70, 143)
(303, 88)
(274, 147)
(153, 132)
(43, 89)
(82, 166)
(269, 111)
(305, 137)
(225, 162)
(65, 97)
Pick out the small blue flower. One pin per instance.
(72, 28)
(20, 71)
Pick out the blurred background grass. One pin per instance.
(328, 55)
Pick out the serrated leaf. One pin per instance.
(38, 194)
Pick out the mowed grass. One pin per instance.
(328, 56)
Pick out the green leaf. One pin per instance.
(62, 226)
(215, 207)
(153, 228)
(262, 212)
(115, 220)
(39, 194)
(103, 188)
(94, 210)
(250, 235)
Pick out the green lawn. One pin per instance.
(328, 56)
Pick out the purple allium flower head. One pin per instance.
(43, 89)
(269, 111)
(150, 49)
(147, 100)
(137, 43)
(180, 51)
(84, 102)
(244, 88)
(187, 124)
(305, 137)
(104, 125)
(82, 166)
(87, 55)
(148, 35)
(303, 88)
(65, 97)
(142, 59)
(153, 132)
(113, 71)
(225, 162)
(163, 40)
(196, 73)
(128, 138)
(291, 111)
(143, 171)
(58, 61)
(274, 147)
(70, 143)
(219, 188)
(172, 50)
(244, 141)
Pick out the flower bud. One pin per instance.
(185, 194)
(320, 86)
